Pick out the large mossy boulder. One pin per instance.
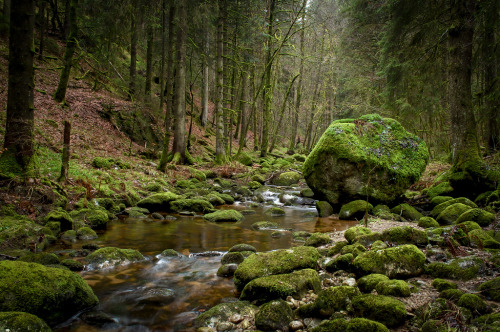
(405, 235)
(52, 294)
(318, 240)
(491, 289)
(380, 308)
(62, 217)
(274, 315)
(450, 215)
(464, 268)
(191, 205)
(280, 286)
(355, 210)
(481, 217)
(353, 233)
(275, 262)
(16, 321)
(442, 206)
(158, 202)
(224, 216)
(287, 179)
(222, 312)
(371, 156)
(111, 256)
(407, 211)
(324, 209)
(397, 262)
(334, 299)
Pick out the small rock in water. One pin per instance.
(208, 254)
(296, 325)
(97, 318)
(187, 213)
(90, 246)
(156, 215)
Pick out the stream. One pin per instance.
(125, 292)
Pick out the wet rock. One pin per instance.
(275, 262)
(97, 318)
(407, 211)
(157, 216)
(52, 294)
(318, 239)
(248, 212)
(136, 212)
(157, 297)
(90, 246)
(262, 225)
(380, 308)
(296, 325)
(324, 209)
(22, 321)
(191, 205)
(224, 216)
(208, 254)
(274, 315)
(232, 257)
(227, 270)
(464, 268)
(355, 210)
(111, 256)
(222, 312)
(242, 247)
(275, 212)
(69, 236)
(170, 253)
(72, 265)
(225, 327)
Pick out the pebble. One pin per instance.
(296, 325)
(236, 318)
(225, 326)
(349, 282)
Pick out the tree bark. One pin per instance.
(66, 152)
(133, 51)
(491, 92)
(18, 140)
(162, 62)
(67, 19)
(60, 94)
(43, 27)
(180, 87)
(205, 91)
(6, 11)
(149, 63)
(220, 156)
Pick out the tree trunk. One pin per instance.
(6, 11)
(149, 63)
(56, 20)
(206, 46)
(268, 89)
(133, 51)
(491, 92)
(220, 156)
(66, 152)
(43, 27)
(162, 62)
(60, 94)
(244, 102)
(18, 140)
(67, 19)
(180, 87)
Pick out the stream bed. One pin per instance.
(126, 293)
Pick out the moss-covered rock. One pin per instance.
(491, 289)
(52, 294)
(380, 308)
(69, 236)
(334, 299)
(490, 322)
(86, 233)
(260, 225)
(365, 325)
(222, 312)
(191, 205)
(482, 239)
(427, 222)
(224, 216)
(97, 219)
(73, 265)
(228, 199)
(280, 286)
(452, 295)
(464, 268)
(232, 258)
(336, 325)
(318, 239)
(405, 235)
(355, 249)
(436, 200)
(274, 315)
(242, 247)
(336, 248)
(275, 262)
(275, 211)
(170, 253)
(398, 262)
(369, 282)
(393, 287)
(111, 256)
(15, 321)
(440, 189)
(342, 262)
(214, 199)
(481, 217)
(441, 284)
(407, 211)
(324, 209)
(351, 151)
(43, 258)
(227, 270)
(367, 240)
(475, 304)
(287, 179)
(378, 245)
(258, 178)
(441, 207)
(450, 215)
(351, 234)
(62, 217)
(468, 226)
(253, 185)
(355, 210)
(158, 202)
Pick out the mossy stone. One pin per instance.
(287, 179)
(481, 217)
(397, 262)
(440, 189)
(491, 289)
(258, 178)
(474, 303)
(69, 235)
(324, 208)
(436, 200)
(274, 315)
(170, 253)
(382, 211)
(254, 185)
(352, 233)
(97, 218)
(336, 248)
(365, 325)
(228, 199)
(355, 249)
(318, 239)
(368, 283)
(62, 217)
(191, 205)
(489, 322)
(280, 286)
(398, 288)
(368, 239)
(114, 256)
(481, 239)
(275, 211)
(351, 151)
(232, 258)
(342, 262)
(53, 295)
(451, 294)
(336, 325)
(15, 321)
(224, 216)
(380, 308)
(227, 270)
(441, 207)
(434, 325)
(407, 211)
(245, 159)
(307, 192)
(242, 247)
(355, 210)
(378, 245)
(86, 233)
(43, 258)
(427, 222)
(334, 299)
(441, 284)
(464, 268)
(468, 226)
(222, 312)
(259, 225)
(214, 199)
(275, 262)
(450, 215)
(158, 202)
(405, 235)
(73, 265)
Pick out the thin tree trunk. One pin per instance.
(18, 140)
(6, 11)
(162, 63)
(244, 102)
(60, 94)
(491, 92)
(205, 91)
(67, 19)
(149, 63)
(43, 27)
(133, 51)
(66, 152)
(56, 20)
(180, 88)
(220, 156)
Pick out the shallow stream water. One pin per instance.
(124, 292)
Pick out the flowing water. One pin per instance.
(126, 293)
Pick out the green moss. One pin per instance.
(51, 294)
(441, 284)
(222, 312)
(427, 222)
(214, 199)
(406, 211)
(405, 235)
(272, 316)
(114, 256)
(16, 321)
(196, 174)
(342, 262)
(223, 216)
(69, 236)
(98, 219)
(482, 239)
(43, 258)
(72, 265)
(259, 225)
(158, 202)
(86, 233)
(441, 207)
(275, 262)
(336, 248)
(355, 249)
(355, 210)
(440, 189)
(192, 205)
(245, 159)
(481, 217)
(398, 262)
(318, 239)
(451, 294)
(383, 309)
(365, 325)
(242, 247)
(457, 269)
(280, 286)
(287, 179)
(153, 187)
(170, 253)
(435, 201)
(450, 215)
(254, 185)
(232, 258)
(491, 289)
(474, 303)
(62, 217)
(352, 233)
(17, 232)
(378, 245)
(275, 211)
(490, 322)
(468, 226)
(382, 211)
(334, 299)
(393, 287)
(324, 208)
(336, 325)
(368, 283)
